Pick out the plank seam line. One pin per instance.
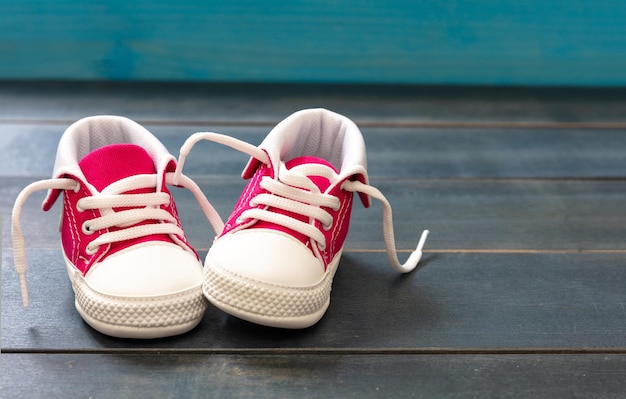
(221, 179)
(437, 251)
(483, 251)
(324, 351)
(500, 251)
(359, 122)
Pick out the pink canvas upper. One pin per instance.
(335, 236)
(100, 168)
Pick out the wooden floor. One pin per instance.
(522, 288)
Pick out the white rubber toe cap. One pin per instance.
(267, 256)
(152, 269)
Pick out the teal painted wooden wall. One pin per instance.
(536, 42)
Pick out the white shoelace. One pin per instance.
(144, 207)
(390, 241)
(294, 192)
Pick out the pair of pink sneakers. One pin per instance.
(132, 269)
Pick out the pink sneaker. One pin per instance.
(132, 270)
(274, 262)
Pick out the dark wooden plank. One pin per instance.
(487, 301)
(461, 214)
(313, 376)
(267, 104)
(30, 150)
(521, 290)
(447, 152)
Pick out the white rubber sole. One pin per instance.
(268, 304)
(138, 317)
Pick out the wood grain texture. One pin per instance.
(315, 376)
(556, 43)
(521, 289)
(397, 152)
(567, 215)
(183, 103)
(491, 302)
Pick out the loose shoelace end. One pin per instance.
(415, 256)
(24, 290)
(422, 240)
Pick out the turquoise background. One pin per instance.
(500, 42)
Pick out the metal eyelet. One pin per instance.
(329, 226)
(91, 251)
(86, 229)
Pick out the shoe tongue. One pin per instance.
(111, 163)
(114, 162)
(320, 181)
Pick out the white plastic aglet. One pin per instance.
(416, 255)
(422, 240)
